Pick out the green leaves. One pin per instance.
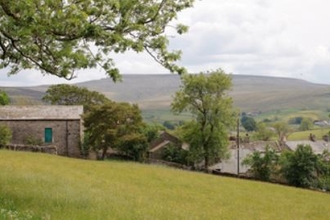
(117, 126)
(5, 135)
(204, 95)
(64, 94)
(300, 167)
(4, 98)
(57, 37)
(262, 165)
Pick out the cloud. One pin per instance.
(259, 37)
(274, 38)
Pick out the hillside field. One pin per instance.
(40, 186)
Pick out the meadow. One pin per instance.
(40, 186)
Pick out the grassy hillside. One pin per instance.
(273, 96)
(38, 186)
(250, 93)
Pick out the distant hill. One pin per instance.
(250, 93)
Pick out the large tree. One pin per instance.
(61, 36)
(63, 94)
(117, 126)
(205, 96)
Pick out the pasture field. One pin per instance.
(304, 135)
(165, 114)
(40, 186)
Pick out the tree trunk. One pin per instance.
(104, 152)
(206, 163)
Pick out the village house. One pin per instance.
(51, 125)
(164, 140)
(233, 164)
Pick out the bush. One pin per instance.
(175, 154)
(249, 123)
(262, 165)
(5, 135)
(300, 167)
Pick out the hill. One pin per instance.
(39, 186)
(250, 93)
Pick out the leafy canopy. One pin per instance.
(262, 165)
(63, 94)
(117, 126)
(249, 123)
(60, 36)
(204, 95)
(300, 167)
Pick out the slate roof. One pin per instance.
(41, 112)
(317, 146)
(256, 145)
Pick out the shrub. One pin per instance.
(5, 135)
(300, 167)
(262, 165)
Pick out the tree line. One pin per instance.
(301, 167)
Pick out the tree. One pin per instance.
(306, 124)
(5, 135)
(300, 167)
(263, 132)
(134, 145)
(169, 125)
(175, 154)
(58, 37)
(113, 124)
(296, 120)
(249, 123)
(262, 165)
(282, 130)
(63, 94)
(4, 98)
(204, 96)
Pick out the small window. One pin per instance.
(48, 135)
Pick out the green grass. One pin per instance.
(161, 115)
(286, 114)
(39, 186)
(304, 135)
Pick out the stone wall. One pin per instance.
(43, 149)
(67, 134)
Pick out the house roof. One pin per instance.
(163, 140)
(164, 137)
(317, 146)
(40, 112)
(255, 145)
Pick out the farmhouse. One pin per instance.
(59, 126)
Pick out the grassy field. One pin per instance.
(304, 135)
(38, 186)
(161, 115)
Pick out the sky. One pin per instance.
(284, 38)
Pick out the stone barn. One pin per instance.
(52, 125)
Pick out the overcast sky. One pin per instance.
(288, 38)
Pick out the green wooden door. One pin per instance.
(48, 135)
